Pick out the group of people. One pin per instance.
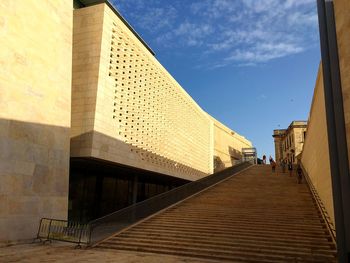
(284, 165)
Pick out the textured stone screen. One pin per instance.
(128, 109)
(152, 113)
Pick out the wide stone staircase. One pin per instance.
(254, 216)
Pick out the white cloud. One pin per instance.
(296, 3)
(239, 32)
(189, 34)
(214, 8)
(259, 6)
(264, 52)
(197, 31)
(158, 18)
(302, 19)
(265, 30)
(149, 15)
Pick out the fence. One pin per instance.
(63, 230)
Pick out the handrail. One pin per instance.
(104, 227)
(320, 205)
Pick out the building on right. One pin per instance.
(289, 142)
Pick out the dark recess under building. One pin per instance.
(98, 188)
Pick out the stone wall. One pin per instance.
(227, 146)
(87, 36)
(35, 90)
(315, 155)
(278, 149)
(342, 19)
(127, 108)
(113, 99)
(298, 140)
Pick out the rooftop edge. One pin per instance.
(86, 3)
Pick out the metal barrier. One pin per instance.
(63, 230)
(104, 227)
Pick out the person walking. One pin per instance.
(290, 168)
(300, 174)
(273, 166)
(264, 159)
(283, 165)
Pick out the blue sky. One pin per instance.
(251, 64)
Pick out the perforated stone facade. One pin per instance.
(128, 109)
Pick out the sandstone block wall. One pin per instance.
(126, 108)
(112, 98)
(35, 91)
(227, 146)
(87, 35)
(315, 152)
(342, 19)
(298, 140)
(278, 148)
(315, 155)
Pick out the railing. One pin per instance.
(102, 228)
(320, 205)
(63, 230)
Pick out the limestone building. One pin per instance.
(277, 137)
(228, 146)
(289, 142)
(35, 116)
(91, 122)
(316, 156)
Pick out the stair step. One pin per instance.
(228, 226)
(243, 234)
(218, 248)
(250, 217)
(239, 222)
(218, 253)
(218, 243)
(254, 216)
(263, 232)
(229, 238)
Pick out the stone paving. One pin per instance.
(62, 252)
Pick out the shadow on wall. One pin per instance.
(34, 176)
(218, 164)
(235, 154)
(101, 146)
